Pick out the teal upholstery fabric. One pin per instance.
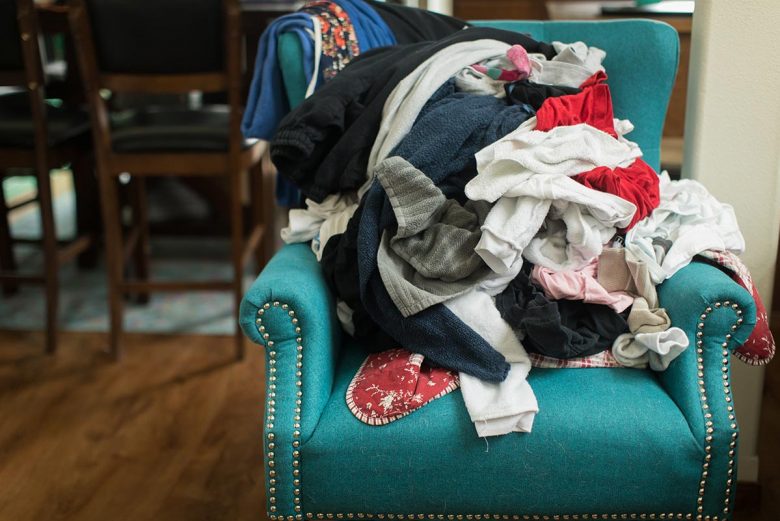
(607, 441)
(619, 443)
(290, 56)
(604, 441)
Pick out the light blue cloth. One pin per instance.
(267, 102)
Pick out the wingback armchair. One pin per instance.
(607, 443)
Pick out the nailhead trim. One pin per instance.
(270, 406)
(705, 407)
(514, 517)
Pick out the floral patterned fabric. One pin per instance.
(759, 348)
(339, 38)
(391, 384)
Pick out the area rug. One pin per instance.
(83, 294)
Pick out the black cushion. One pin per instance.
(16, 123)
(160, 129)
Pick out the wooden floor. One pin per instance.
(172, 433)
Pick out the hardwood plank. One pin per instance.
(83, 438)
(171, 433)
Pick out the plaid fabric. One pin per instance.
(759, 348)
(603, 359)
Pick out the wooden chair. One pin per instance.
(175, 46)
(36, 136)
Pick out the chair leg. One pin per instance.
(141, 217)
(7, 258)
(258, 204)
(87, 208)
(237, 250)
(112, 238)
(51, 263)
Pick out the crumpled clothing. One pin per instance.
(621, 270)
(434, 332)
(592, 106)
(472, 81)
(514, 66)
(392, 384)
(528, 173)
(444, 154)
(654, 350)
(360, 28)
(562, 151)
(581, 285)
(573, 64)
(496, 408)
(533, 94)
(488, 77)
(692, 220)
(651, 340)
(559, 329)
(430, 258)
(759, 348)
(637, 183)
(319, 220)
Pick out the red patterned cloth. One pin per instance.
(391, 384)
(759, 348)
(603, 359)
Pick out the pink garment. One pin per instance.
(518, 58)
(580, 284)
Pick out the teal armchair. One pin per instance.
(607, 444)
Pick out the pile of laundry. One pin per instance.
(478, 210)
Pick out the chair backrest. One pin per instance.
(642, 58)
(157, 47)
(158, 37)
(170, 46)
(10, 49)
(26, 32)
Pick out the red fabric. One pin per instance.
(598, 77)
(592, 106)
(391, 384)
(637, 183)
(759, 348)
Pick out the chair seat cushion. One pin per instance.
(606, 441)
(159, 129)
(16, 123)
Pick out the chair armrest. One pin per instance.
(291, 312)
(718, 315)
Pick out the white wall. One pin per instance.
(732, 145)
